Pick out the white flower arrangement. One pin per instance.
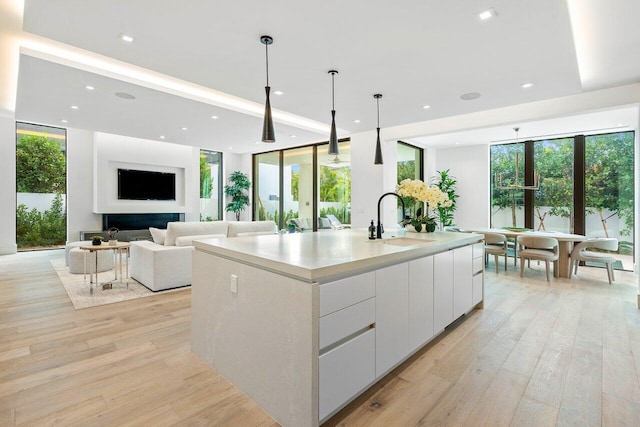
(420, 191)
(431, 197)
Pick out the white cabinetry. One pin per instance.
(462, 280)
(346, 340)
(420, 302)
(392, 317)
(442, 290)
(478, 273)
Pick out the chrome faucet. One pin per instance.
(380, 228)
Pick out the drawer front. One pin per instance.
(337, 295)
(478, 250)
(342, 323)
(477, 265)
(346, 370)
(477, 288)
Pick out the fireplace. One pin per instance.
(139, 221)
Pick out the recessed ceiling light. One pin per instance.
(356, 121)
(64, 121)
(526, 85)
(426, 107)
(161, 136)
(278, 92)
(74, 107)
(87, 87)
(486, 14)
(184, 128)
(457, 143)
(230, 148)
(214, 117)
(292, 136)
(470, 96)
(125, 38)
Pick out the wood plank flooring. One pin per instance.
(539, 354)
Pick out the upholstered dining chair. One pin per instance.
(580, 253)
(495, 244)
(537, 248)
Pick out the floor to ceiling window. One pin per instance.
(585, 186)
(507, 196)
(266, 186)
(553, 202)
(41, 185)
(334, 183)
(301, 187)
(409, 161)
(210, 188)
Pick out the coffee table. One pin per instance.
(118, 248)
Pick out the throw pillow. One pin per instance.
(158, 235)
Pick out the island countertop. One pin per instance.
(317, 257)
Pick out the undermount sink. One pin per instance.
(405, 241)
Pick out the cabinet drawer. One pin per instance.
(477, 265)
(342, 323)
(343, 293)
(478, 250)
(345, 371)
(477, 288)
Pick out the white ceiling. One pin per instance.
(414, 52)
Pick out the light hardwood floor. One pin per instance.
(565, 353)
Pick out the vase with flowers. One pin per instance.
(423, 202)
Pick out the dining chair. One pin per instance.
(580, 253)
(495, 244)
(537, 248)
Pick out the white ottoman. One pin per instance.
(72, 245)
(76, 261)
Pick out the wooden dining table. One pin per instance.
(565, 244)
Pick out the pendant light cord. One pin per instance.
(333, 92)
(266, 51)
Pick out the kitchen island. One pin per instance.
(303, 323)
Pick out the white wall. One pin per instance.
(8, 186)
(113, 152)
(470, 166)
(80, 216)
(369, 181)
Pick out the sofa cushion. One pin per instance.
(263, 227)
(188, 240)
(177, 229)
(158, 235)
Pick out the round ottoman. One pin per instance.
(76, 261)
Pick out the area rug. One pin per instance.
(79, 290)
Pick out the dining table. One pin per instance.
(565, 243)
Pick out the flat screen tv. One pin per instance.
(146, 185)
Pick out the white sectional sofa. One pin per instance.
(165, 263)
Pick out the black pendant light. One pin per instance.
(333, 138)
(378, 159)
(268, 134)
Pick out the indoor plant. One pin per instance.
(447, 184)
(96, 240)
(239, 184)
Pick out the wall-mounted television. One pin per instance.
(146, 185)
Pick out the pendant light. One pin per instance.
(333, 138)
(268, 134)
(378, 159)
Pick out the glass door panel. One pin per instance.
(507, 172)
(553, 202)
(298, 188)
(267, 187)
(609, 195)
(334, 184)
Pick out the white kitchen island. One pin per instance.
(303, 323)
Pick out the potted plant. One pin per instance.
(447, 184)
(422, 200)
(239, 184)
(96, 240)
